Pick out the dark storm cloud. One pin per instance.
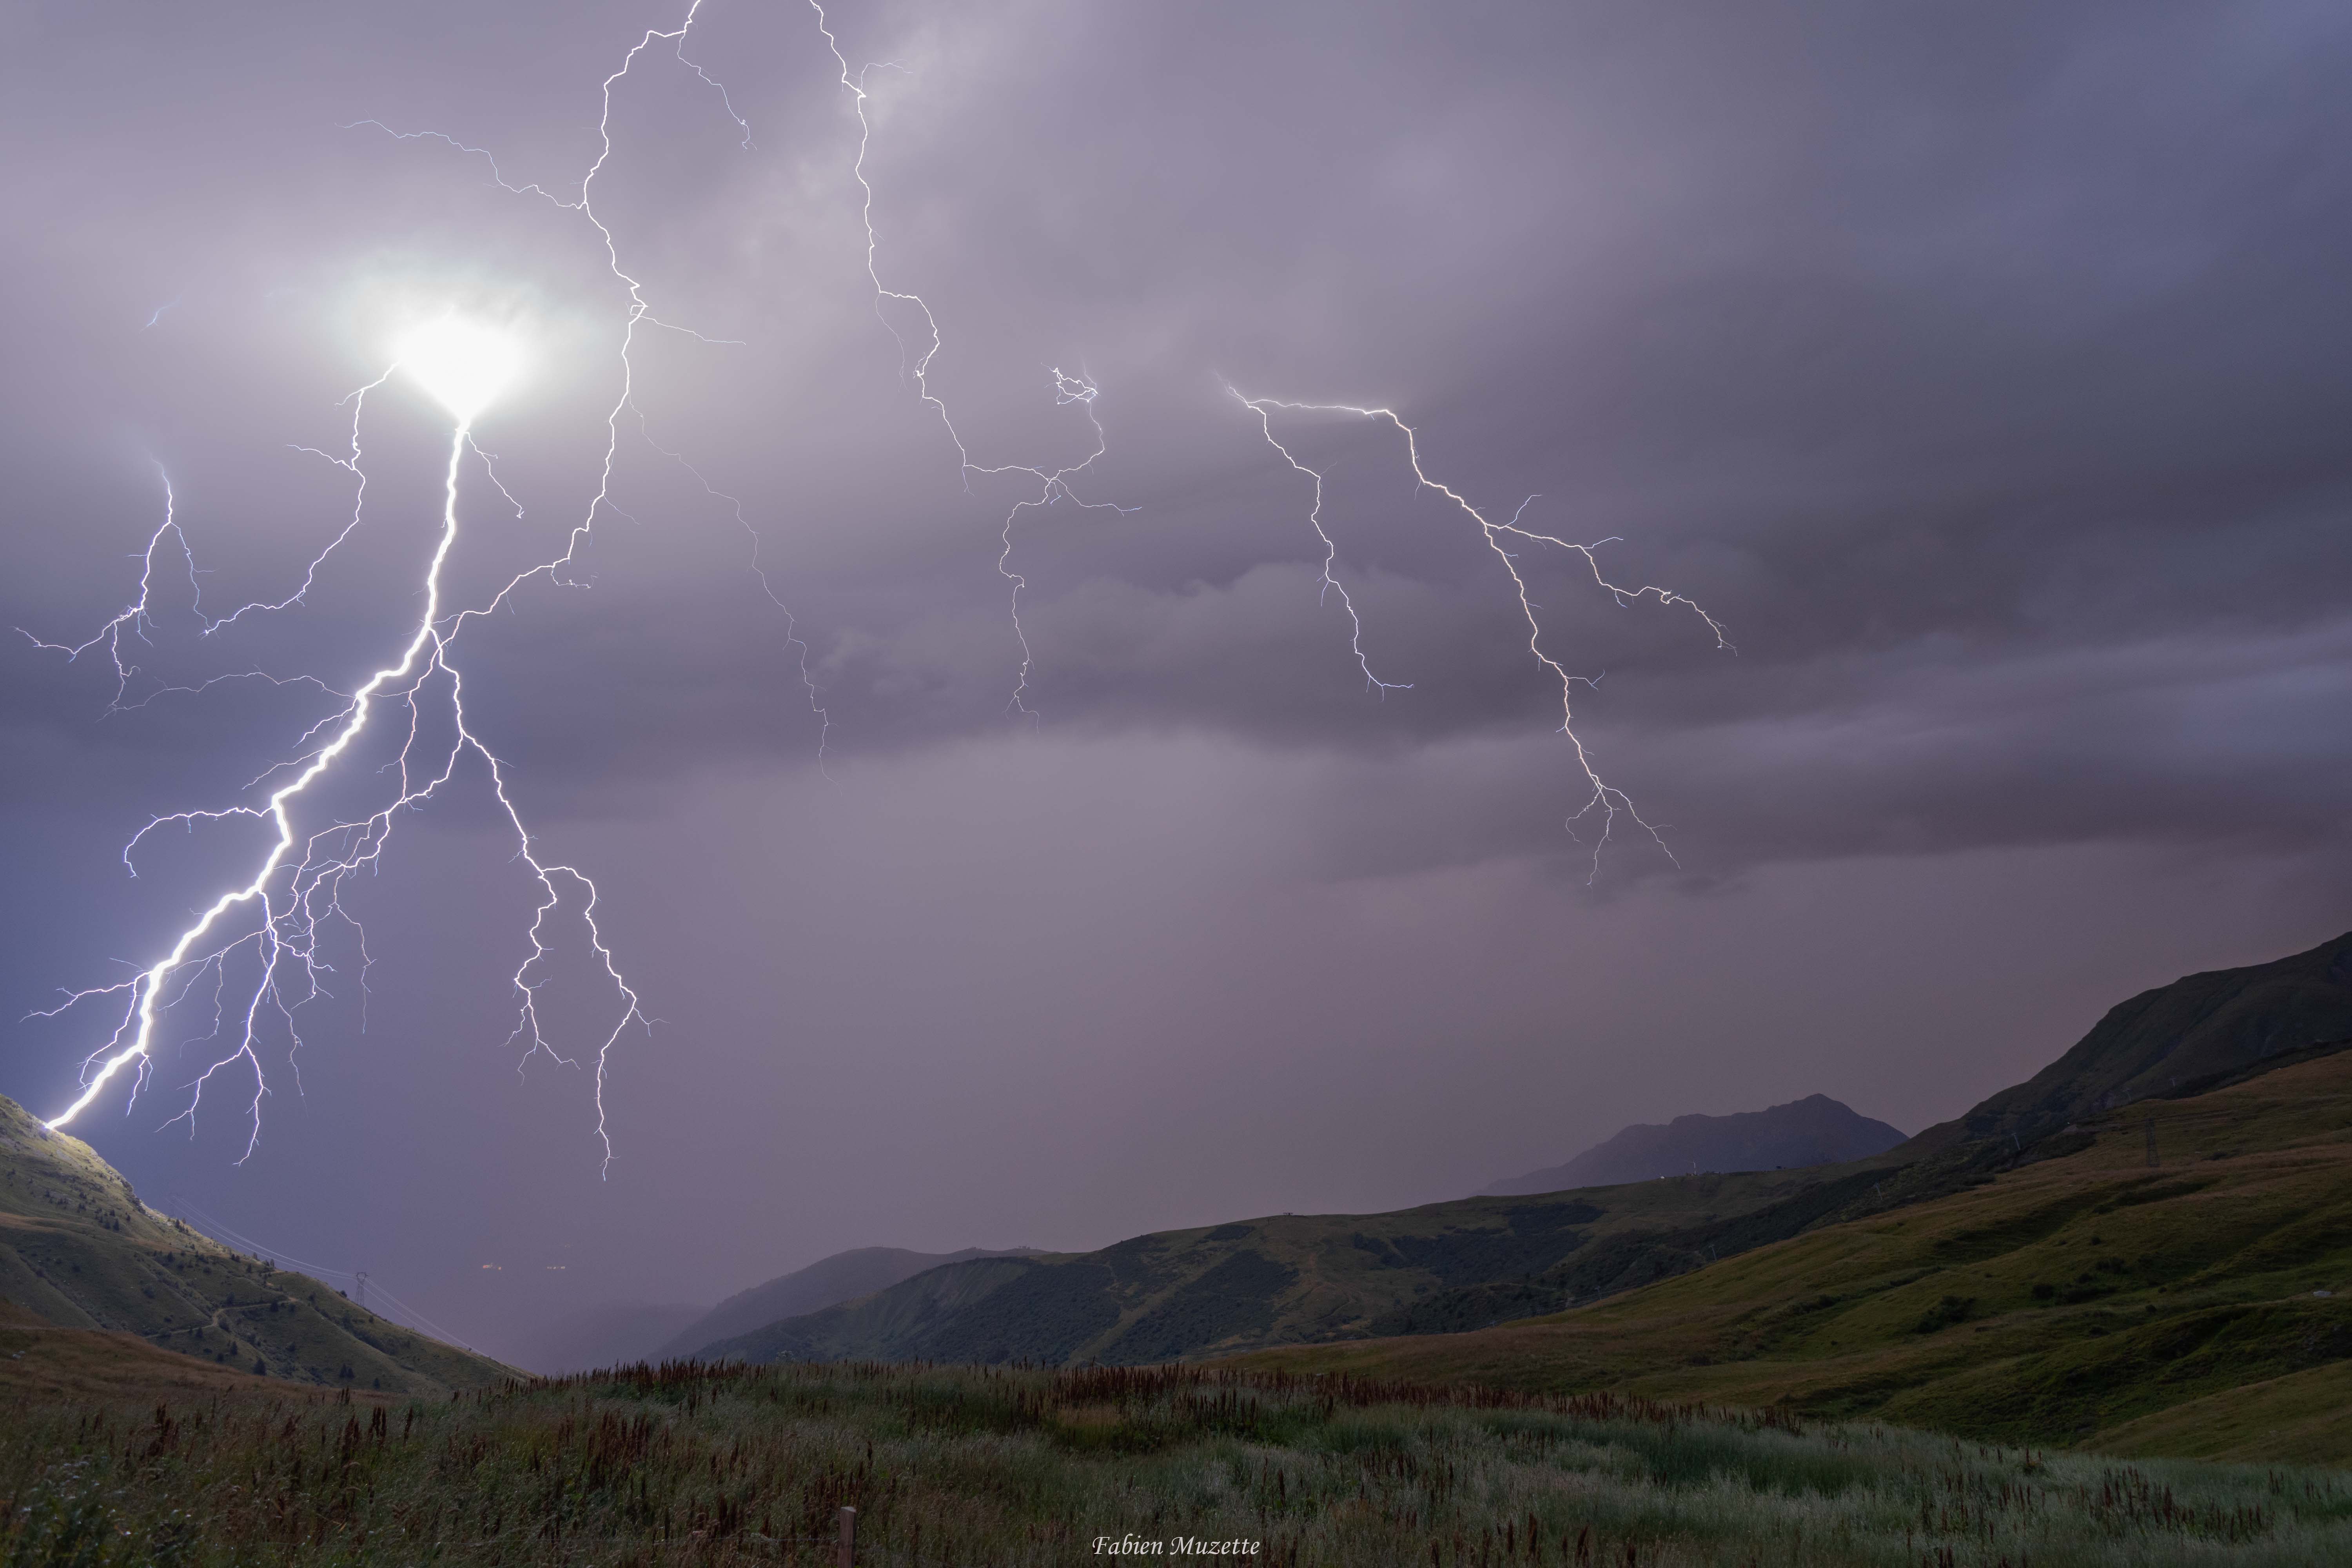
(2017, 341)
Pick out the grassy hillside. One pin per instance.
(1292, 1279)
(79, 1250)
(42, 1364)
(843, 1277)
(2203, 1306)
(732, 1466)
(2205, 1025)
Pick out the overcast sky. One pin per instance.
(1982, 370)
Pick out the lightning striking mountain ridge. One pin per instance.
(1601, 796)
(293, 896)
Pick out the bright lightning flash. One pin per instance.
(462, 363)
(278, 917)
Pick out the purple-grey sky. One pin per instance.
(1983, 369)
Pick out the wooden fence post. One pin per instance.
(844, 1554)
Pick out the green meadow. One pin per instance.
(1004, 1466)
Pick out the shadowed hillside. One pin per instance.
(1815, 1131)
(844, 1277)
(1295, 1278)
(2198, 1306)
(2201, 1026)
(79, 1250)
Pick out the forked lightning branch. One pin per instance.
(276, 921)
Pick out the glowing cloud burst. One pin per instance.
(462, 363)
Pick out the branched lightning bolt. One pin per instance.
(296, 889)
(273, 922)
(1052, 484)
(1332, 584)
(135, 617)
(559, 570)
(1601, 796)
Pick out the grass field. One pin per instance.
(41, 1365)
(966, 1467)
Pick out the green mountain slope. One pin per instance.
(843, 1277)
(2201, 1026)
(43, 1363)
(2201, 1306)
(79, 1250)
(1290, 1279)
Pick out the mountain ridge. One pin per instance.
(1814, 1131)
(1277, 1279)
(830, 1281)
(2211, 1022)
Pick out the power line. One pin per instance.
(407, 1317)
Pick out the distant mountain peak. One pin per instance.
(1814, 1131)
